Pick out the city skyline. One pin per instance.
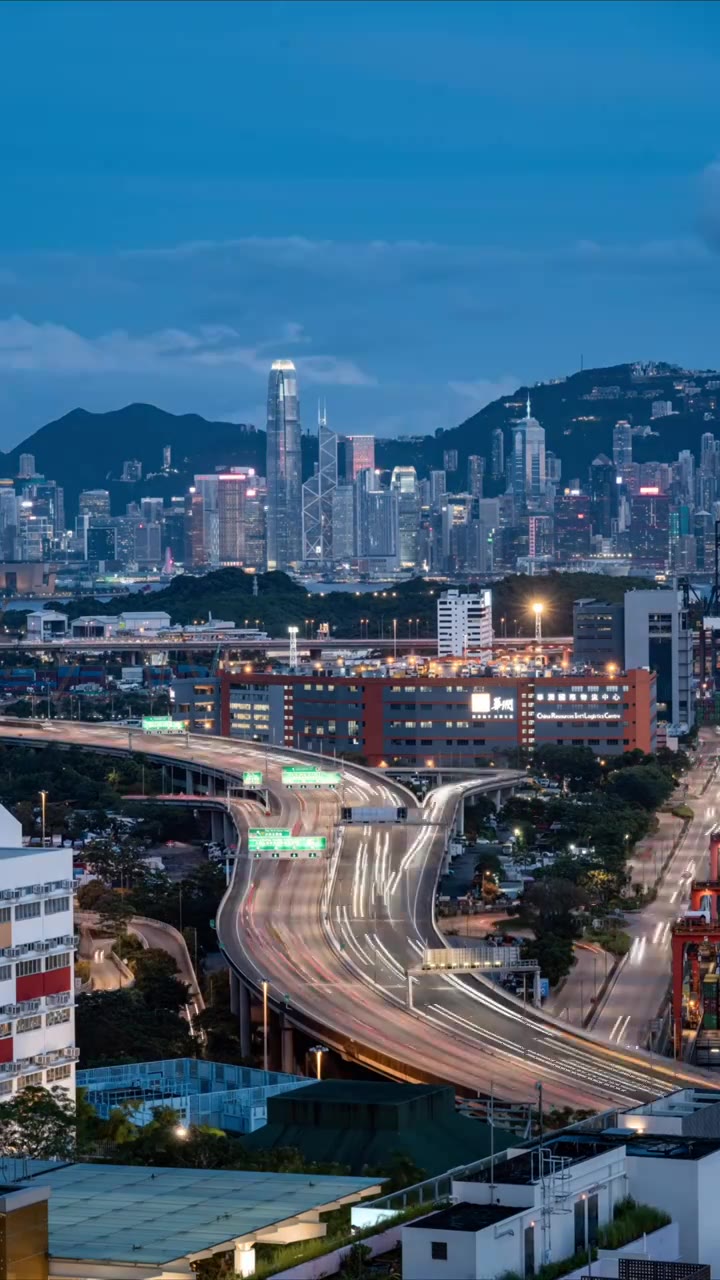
(440, 246)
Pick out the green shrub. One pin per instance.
(630, 1221)
(683, 811)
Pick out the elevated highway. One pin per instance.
(335, 939)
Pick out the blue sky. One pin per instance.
(423, 204)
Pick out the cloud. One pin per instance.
(53, 348)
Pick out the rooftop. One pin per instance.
(566, 1150)
(671, 1146)
(130, 1214)
(464, 1217)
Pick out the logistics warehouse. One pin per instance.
(414, 719)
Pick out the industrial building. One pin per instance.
(410, 719)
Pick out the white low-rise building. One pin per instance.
(37, 948)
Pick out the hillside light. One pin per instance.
(180, 1131)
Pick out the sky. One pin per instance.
(422, 204)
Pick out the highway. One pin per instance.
(335, 938)
(640, 988)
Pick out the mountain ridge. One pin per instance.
(83, 449)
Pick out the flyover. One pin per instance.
(335, 939)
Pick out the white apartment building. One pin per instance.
(464, 625)
(37, 946)
(548, 1202)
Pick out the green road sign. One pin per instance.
(300, 777)
(252, 778)
(267, 841)
(163, 724)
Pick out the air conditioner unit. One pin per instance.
(14, 952)
(42, 1059)
(41, 946)
(38, 888)
(17, 893)
(6, 893)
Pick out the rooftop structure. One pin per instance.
(158, 1221)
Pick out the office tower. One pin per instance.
(194, 539)
(148, 543)
(476, 475)
(658, 636)
(464, 625)
(173, 529)
(650, 527)
(376, 524)
(100, 542)
(553, 468)
(167, 457)
(438, 486)
(685, 475)
(528, 469)
(343, 523)
(238, 514)
(207, 487)
(151, 509)
(94, 502)
(26, 465)
(497, 454)
(404, 488)
(8, 522)
(603, 491)
(622, 446)
(361, 456)
(573, 524)
(131, 471)
(450, 459)
(484, 522)
(317, 498)
(284, 468)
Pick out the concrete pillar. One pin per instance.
(498, 799)
(229, 830)
(244, 1019)
(287, 1048)
(217, 829)
(244, 1260)
(189, 783)
(234, 992)
(460, 819)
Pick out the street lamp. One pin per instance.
(265, 1023)
(319, 1050)
(180, 1131)
(43, 800)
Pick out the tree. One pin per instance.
(579, 764)
(119, 1026)
(38, 1123)
(550, 906)
(647, 786)
(553, 953)
(157, 982)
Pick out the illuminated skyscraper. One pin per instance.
(284, 468)
(317, 498)
(528, 459)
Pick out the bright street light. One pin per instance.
(43, 802)
(319, 1050)
(180, 1131)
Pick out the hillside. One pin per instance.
(281, 602)
(86, 450)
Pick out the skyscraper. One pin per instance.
(476, 475)
(622, 446)
(528, 473)
(404, 486)
(26, 465)
(317, 498)
(497, 453)
(284, 468)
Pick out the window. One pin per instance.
(26, 1082)
(29, 1024)
(60, 961)
(58, 1073)
(5, 972)
(56, 1016)
(438, 1250)
(55, 905)
(27, 910)
(26, 967)
(4, 915)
